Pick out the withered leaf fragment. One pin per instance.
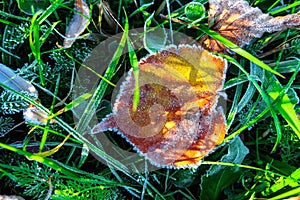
(10, 79)
(237, 21)
(10, 197)
(78, 23)
(31, 114)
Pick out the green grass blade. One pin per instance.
(34, 38)
(8, 174)
(40, 159)
(9, 53)
(45, 133)
(141, 9)
(73, 132)
(84, 155)
(244, 127)
(135, 67)
(233, 110)
(4, 14)
(237, 49)
(289, 6)
(34, 42)
(47, 33)
(292, 180)
(240, 79)
(250, 91)
(90, 69)
(67, 170)
(265, 98)
(100, 90)
(8, 23)
(290, 193)
(95, 100)
(284, 105)
(54, 5)
(73, 104)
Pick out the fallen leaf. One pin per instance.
(78, 23)
(10, 197)
(32, 114)
(179, 119)
(237, 21)
(10, 79)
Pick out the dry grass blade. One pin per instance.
(108, 15)
(78, 23)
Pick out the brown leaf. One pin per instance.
(178, 120)
(237, 21)
(78, 23)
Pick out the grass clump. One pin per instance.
(259, 158)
